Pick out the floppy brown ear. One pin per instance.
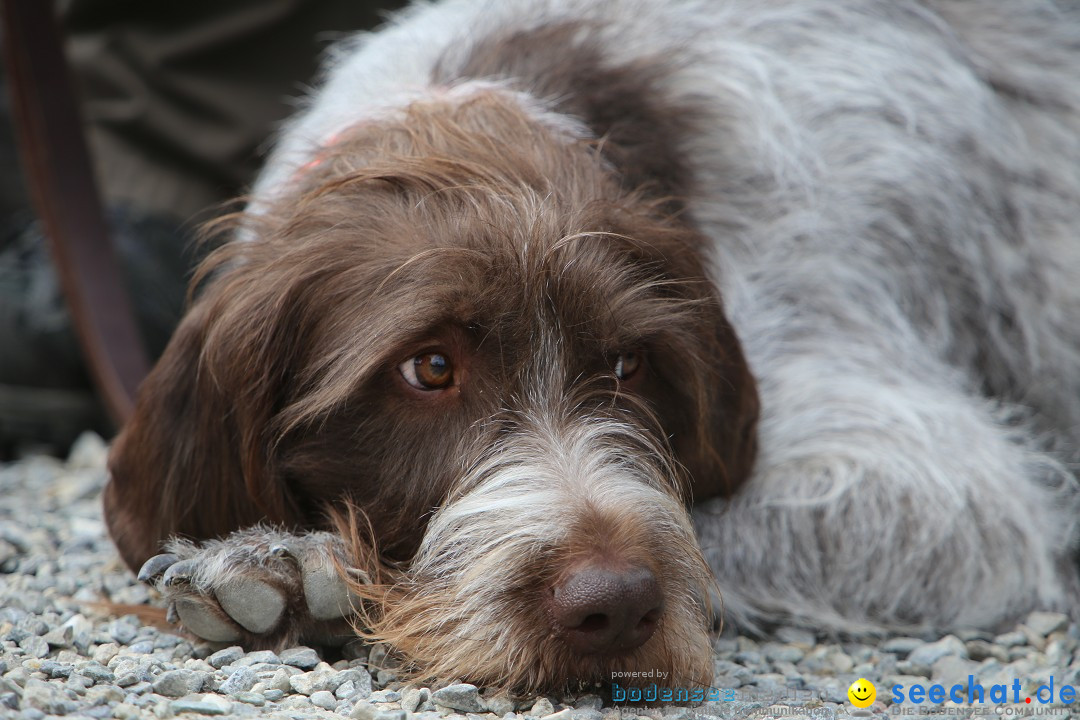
(194, 459)
(710, 401)
(730, 429)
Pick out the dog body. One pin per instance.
(527, 277)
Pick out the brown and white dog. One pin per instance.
(528, 279)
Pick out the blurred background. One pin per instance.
(178, 102)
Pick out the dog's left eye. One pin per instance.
(430, 371)
(627, 364)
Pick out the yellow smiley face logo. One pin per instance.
(862, 693)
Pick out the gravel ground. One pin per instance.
(61, 655)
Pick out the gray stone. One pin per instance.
(980, 650)
(241, 680)
(78, 683)
(776, 652)
(385, 696)
(1045, 623)
(585, 714)
(901, 646)
(61, 637)
(122, 630)
(106, 652)
(104, 694)
(178, 683)
(379, 657)
(280, 681)
(206, 705)
(541, 708)
(413, 697)
(952, 670)
(228, 656)
(907, 667)
(462, 696)
(250, 698)
(312, 682)
(46, 697)
(324, 699)
(749, 657)
(500, 704)
(81, 631)
(584, 702)
(1011, 639)
(273, 694)
(930, 653)
(96, 672)
(139, 688)
(261, 656)
(302, 657)
(264, 668)
(361, 682)
(969, 634)
(363, 711)
(34, 646)
(56, 670)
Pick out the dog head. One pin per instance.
(459, 322)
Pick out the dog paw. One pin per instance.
(263, 588)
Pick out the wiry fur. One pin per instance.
(535, 503)
(885, 194)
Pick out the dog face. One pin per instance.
(460, 324)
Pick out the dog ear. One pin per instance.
(194, 460)
(707, 400)
(711, 407)
(729, 429)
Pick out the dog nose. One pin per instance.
(602, 610)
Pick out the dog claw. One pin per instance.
(155, 566)
(281, 551)
(178, 573)
(360, 575)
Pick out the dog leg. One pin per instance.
(260, 587)
(882, 500)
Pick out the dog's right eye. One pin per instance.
(430, 371)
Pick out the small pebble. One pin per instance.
(178, 683)
(228, 656)
(251, 698)
(463, 697)
(930, 653)
(241, 680)
(324, 699)
(261, 656)
(1045, 623)
(302, 657)
(206, 705)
